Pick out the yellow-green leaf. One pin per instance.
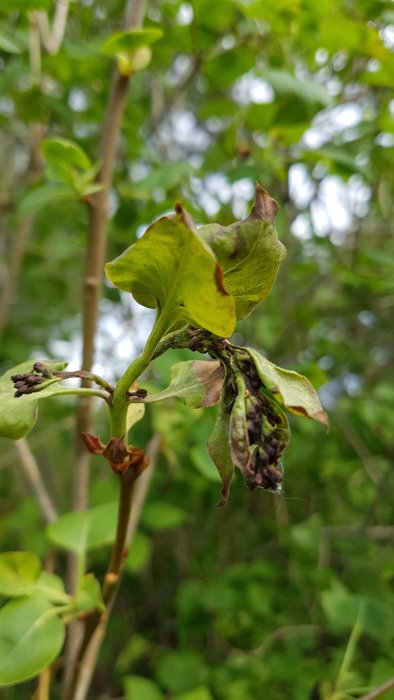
(291, 389)
(170, 268)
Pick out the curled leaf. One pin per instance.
(219, 447)
(197, 383)
(291, 389)
(249, 253)
(258, 433)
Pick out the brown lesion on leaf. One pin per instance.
(264, 206)
(219, 280)
(211, 376)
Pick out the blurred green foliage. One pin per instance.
(256, 599)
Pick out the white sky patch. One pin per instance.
(77, 100)
(217, 185)
(185, 14)
(385, 140)
(331, 122)
(301, 227)
(243, 191)
(251, 89)
(185, 131)
(301, 187)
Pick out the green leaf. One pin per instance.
(197, 383)
(159, 515)
(140, 688)
(84, 530)
(342, 609)
(18, 572)
(249, 252)
(41, 196)
(89, 596)
(135, 413)
(127, 42)
(18, 415)
(139, 553)
(66, 151)
(24, 5)
(203, 464)
(310, 91)
(289, 388)
(31, 637)
(200, 693)
(52, 588)
(181, 671)
(8, 45)
(172, 269)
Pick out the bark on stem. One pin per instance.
(98, 215)
(127, 525)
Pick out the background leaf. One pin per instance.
(85, 530)
(31, 637)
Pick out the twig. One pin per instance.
(142, 488)
(51, 38)
(126, 529)
(32, 472)
(94, 264)
(13, 268)
(360, 449)
(283, 633)
(378, 532)
(379, 691)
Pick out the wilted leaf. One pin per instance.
(170, 268)
(258, 434)
(249, 252)
(291, 389)
(197, 383)
(219, 450)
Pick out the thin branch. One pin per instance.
(33, 475)
(360, 448)
(52, 37)
(379, 691)
(94, 264)
(283, 633)
(95, 256)
(377, 532)
(142, 489)
(126, 529)
(14, 266)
